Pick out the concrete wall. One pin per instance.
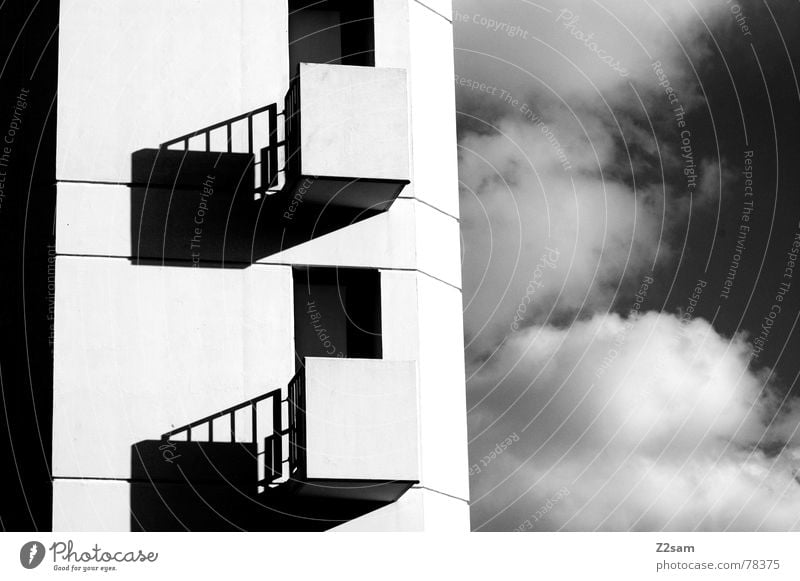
(95, 219)
(135, 74)
(363, 419)
(141, 349)
(422, 321)
(354, 122)
(91, 505)
(433, 119)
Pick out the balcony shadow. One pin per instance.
(210, 486)
(198, 209)
(198, 486)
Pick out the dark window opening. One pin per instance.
(337, 313)
(331, 31)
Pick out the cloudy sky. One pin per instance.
(630, 222)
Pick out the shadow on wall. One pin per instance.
(211, 486)
(198, 208)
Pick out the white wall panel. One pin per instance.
(142, 349)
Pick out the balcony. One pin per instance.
(339, 442)
(347, 130)
(341, 155)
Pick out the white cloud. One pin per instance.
(518, 200)
(670, 435)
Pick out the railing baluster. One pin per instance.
(233, 426)
(277, 424)
(186, 144)
(229, 128)
(277, 458)
(208, 141)
(273, 145)
(250, 133)
(188, 434)
(301, 462)
(255, 424)
(211, 430)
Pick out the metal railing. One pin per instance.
(266, 158)
(291, 110)
(297, 425)
(272, 452)
(267, 174)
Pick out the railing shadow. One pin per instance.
(228, 472)
(217, 196)
(206, 474)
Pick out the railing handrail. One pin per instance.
(295, 429)
(220, 124)
(225, 412)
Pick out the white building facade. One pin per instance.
(258, 318)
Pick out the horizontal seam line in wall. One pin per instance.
(99, 478)
(128, 480)
(434, 11)
(134, 185)
(99, 183)
(144, 481)
(453, 496)
(145, 263)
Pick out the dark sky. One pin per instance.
(764, 75)
(638, 418)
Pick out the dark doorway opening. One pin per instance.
(337, 313)
(331, 31)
